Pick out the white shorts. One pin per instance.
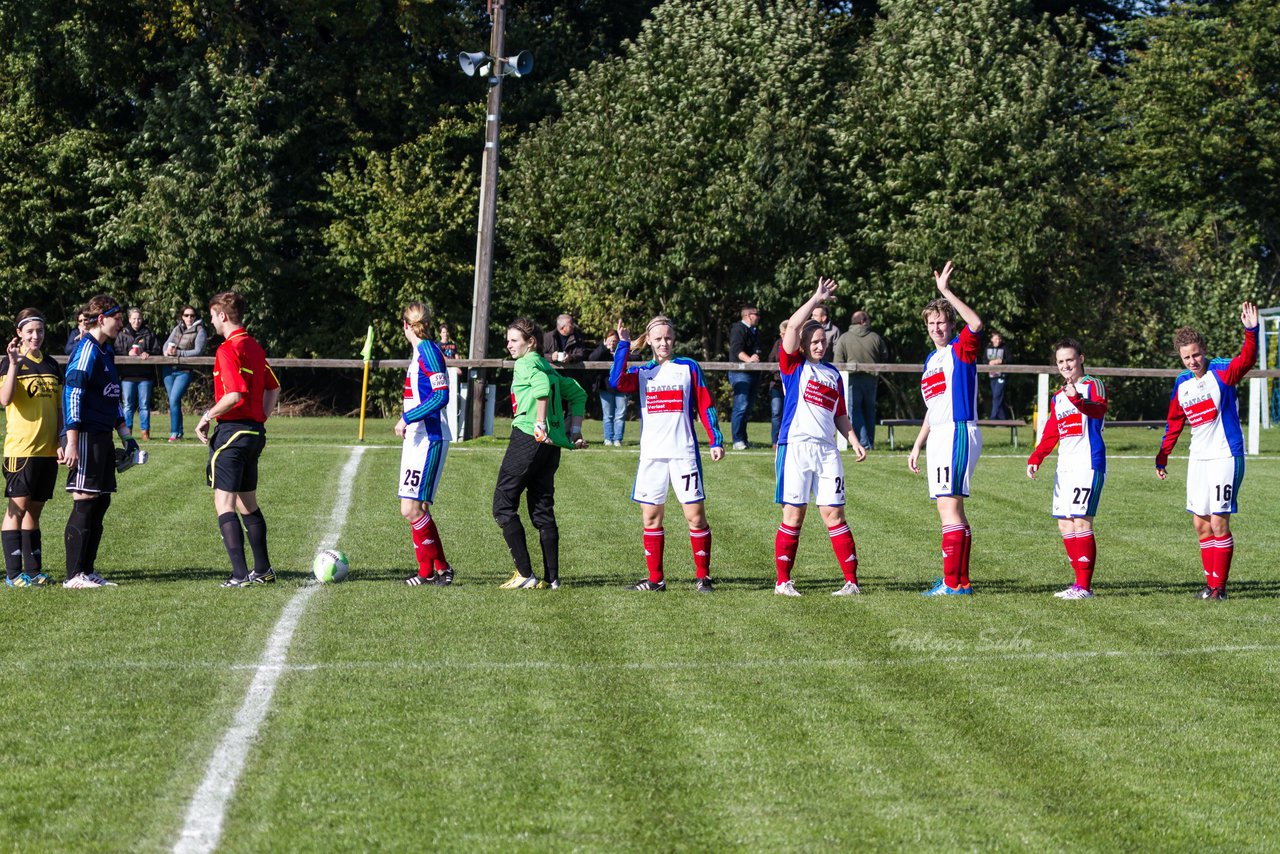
(951, 455)
(1076, 492)
(808, 470)
(684, 474)
(421, 463)
(1214, 485)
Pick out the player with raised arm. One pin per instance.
(245, 391)
(672, 392)
(539, 397)
(807, 461)
(426, 436)
(31, 394)
(949, 385)
(1074, 424)
(1205, 397)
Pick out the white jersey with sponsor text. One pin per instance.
(671, 395)
(812, 399)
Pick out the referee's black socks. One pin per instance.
(255, 526)
(233, 539)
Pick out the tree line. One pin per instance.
(1105, 169)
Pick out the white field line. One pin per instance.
(977, 656)
(202, 829)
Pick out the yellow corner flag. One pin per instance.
(367, 355)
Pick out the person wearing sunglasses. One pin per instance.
(188, 338)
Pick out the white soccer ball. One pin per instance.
(330, 565)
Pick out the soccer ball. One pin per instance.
(330, 565)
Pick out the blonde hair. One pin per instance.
(660, 320)
(942, 307)
(418, 317)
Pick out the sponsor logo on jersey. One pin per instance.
(111, 390)
(408, 389)
(933, 384)
(1200, 411)
(821, 395)
(438, 381)
(41, 386)
(1070, 423)
(664, 400)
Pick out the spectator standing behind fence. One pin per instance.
(996, 356)
(829, 330)
(775, 389)
(137, 381)
(77, 332)
(448, 347)
(744, 346)
(188, 339)
(613, 404)
(864, 346)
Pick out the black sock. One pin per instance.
(32, 556)
(76, 536)
(12, 543)
(550, 539)
(97, 512)
(233, 539)
(255, 526)
(513, 533)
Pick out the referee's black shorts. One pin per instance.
(95, 471)
(234, 449)
(30, 477)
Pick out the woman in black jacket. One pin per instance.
(137, 381)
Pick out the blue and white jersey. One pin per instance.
(671, 394)
(949, 383)
(1211, 405)
(426, 392)
(812, 400)
(91, 391)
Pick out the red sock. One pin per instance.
(1208, 558)
(952, 553)
(1086, 559)
(1073, 551)
(653, 542)
(1222, 560)
(784, 551)
(426, 546)
(846, 551)
(964, 556)
(700, 542)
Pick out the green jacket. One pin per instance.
(535, 378)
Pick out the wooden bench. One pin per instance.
(1012, 423)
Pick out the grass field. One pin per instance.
(473, 718)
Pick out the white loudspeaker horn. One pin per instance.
(470, 62)
(520, 64)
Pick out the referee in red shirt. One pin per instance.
(244, 390)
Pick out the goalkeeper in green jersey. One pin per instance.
(539, 398)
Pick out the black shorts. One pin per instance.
(95, 472)
(30, 477)
(234, 449)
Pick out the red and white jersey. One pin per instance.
(670, 393)
(1075, 426)
(812, 399)
(1211, 406)
(949, 383)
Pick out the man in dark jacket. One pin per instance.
(137, 381)
(860, 344)
(567, 348)
(744, 346)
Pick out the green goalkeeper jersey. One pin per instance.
(535, 378)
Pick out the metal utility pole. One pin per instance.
(487, 222)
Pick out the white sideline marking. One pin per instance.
(202, 829)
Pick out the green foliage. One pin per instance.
(964, 137)
(686, 176)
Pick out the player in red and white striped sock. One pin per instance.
(808, 464)
(952, 554)
(1074, 420)
(654, 541)
(700, 545)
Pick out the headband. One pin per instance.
(35, 318)
(110, 311)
